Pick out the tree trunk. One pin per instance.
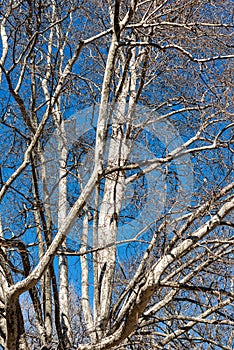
(63, 261)
(3, 288)
(16, 338)
(109, 215)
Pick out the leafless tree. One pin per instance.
(116, 174)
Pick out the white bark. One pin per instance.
(142, 35)
(63, 262)
(3, 288)
(110, 209)
(4, 39)
(85, 281)
(130, 313)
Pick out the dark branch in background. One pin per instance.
(19, 100)
(178, 48)
(197, 288)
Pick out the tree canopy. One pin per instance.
(116, 174)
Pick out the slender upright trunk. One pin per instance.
(109, 214)
(63, 263)
(85, 281)
(16, 337)
(47, 278)
(12, 332)
(3, 288)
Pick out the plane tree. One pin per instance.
(116, 175)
